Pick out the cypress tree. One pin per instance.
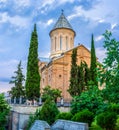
(80, 78)
(73, 74)
(33, 78)
(86, 74)
(83, 77)
(93, 65)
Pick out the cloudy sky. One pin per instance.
(17, 18)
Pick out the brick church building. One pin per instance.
(55, 71)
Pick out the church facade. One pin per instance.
(55, 71)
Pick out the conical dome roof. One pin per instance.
(62, 22)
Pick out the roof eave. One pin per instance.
(62, 28)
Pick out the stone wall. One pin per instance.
(20, 115)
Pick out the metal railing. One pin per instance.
(24, 101)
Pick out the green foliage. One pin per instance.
(83, 77)
(107, 120)
(32, 118)
(113, 108)
(84, 116)
(18, 89)
(50, 93)
(30, 122)
(4, 111)
(73, 74)
(33, 77)
(64, 115)
(79, 76)
(49, 111)
(90, 100)
(109, 74)
(93, 66)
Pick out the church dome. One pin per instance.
(62, 22)
(62, 37)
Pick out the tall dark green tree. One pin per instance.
(73, 74)
(33, 78)
(80, 78)
(83, 77)
(93, 65)
(17, 80)
(86, 74)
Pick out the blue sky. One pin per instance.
(17, 18)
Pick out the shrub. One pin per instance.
(4, 112)
(64, 115)
(114, 108)
(84, 116)
(107, 120)
(49, 111)
(87, 100)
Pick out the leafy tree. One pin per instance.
(73, 75)
(49, 111)
(50, 93)
(33, 78)
(90, 100)
(93, 66)
(4, 111)
(109, 75)
(17, 80)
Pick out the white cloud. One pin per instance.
(46, 24)
(49, 22)
(44, 54)
(113, 26)
(101, 21)
(100, 53)
(70, 17)
(8, 68)
(4, 87)
(47, 2)
(3, 1)
(98, 38)
(22, 3)
(16, 20)
(100, 12)
(47, 5)
(64, 1)
(7, 71)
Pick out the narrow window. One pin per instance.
(55, 43)
(60, 42)
(66, 43)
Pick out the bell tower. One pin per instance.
(62, 37)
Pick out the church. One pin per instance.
(55, 70)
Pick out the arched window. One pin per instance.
(66, 43)
(60, 42)
(55, 43)
(71, 43)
